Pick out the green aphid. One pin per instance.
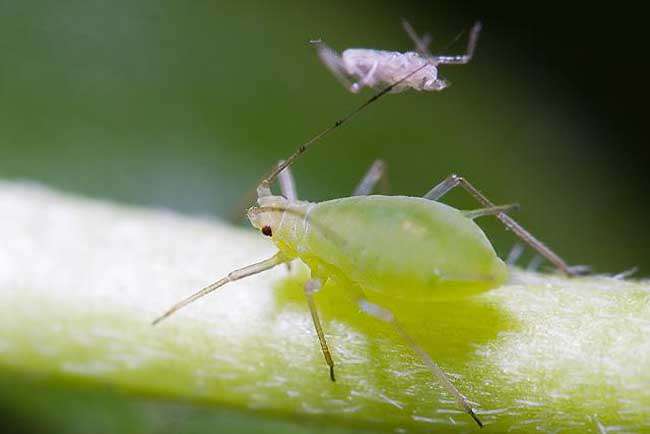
(407, 247)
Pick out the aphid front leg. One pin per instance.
(334, 63)
(241, 273)
(312, 286)
(288, 190)
(368, 79)
(387, 316)
(454, 180)
(376, 173)
(287, 184)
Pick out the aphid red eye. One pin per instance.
(266, 230)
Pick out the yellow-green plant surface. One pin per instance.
(81, 280)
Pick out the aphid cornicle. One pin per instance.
(358, 242)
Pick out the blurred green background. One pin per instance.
(184, 105)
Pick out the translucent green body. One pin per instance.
(396, 245)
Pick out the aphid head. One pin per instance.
(436, 84)
(267, 217)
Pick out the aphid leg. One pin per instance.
(515, 254)
(494, 210)
(334, 63)
(421, 44)
(426, 40)
(625, 274)
(367, 79)
(287, 184)
(453, 181)
(249, 270)
(376, 173)
(464, 58)
(312, 286)
(534, 263)
(602, 429)
(387, 316)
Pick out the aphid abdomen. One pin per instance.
(358, 61)
(391, 66)
(402, 246)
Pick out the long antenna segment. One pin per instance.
(264, 186)
(266, 182)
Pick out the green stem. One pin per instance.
(81, 281)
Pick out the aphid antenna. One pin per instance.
(264, 187)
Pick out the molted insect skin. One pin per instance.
(391, 67)
(401, 247)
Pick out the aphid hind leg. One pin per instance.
(238, 274)
(454, 180)
(376, 173)
(469, 53)
(311, 286)
(387, 316)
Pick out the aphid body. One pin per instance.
(403, 246)
(378, 67)
(356, 68)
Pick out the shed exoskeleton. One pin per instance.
(357, 68)
(410, 246)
